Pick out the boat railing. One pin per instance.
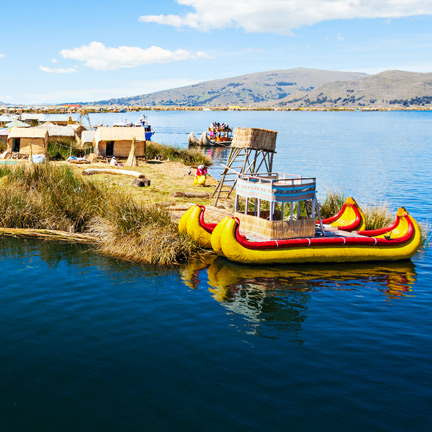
(274, 180)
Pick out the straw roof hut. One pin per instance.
(20, 139)
(32, 119)
(87, 138)
(17, 124)
(117, 141)
(5, 119)
(55, 131)
(70, 135)
(57, 119)
(4, 133)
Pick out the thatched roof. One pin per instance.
(17, 123)
(32, 116)
(119, 134)
(28, 133)
(58, 131)
(56, 118)
(87, 137)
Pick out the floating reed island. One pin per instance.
(53, 200)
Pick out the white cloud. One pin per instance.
(2, 56)
(54, 60)
(339, 37)
(57, 70)
(99, 57)
(280, 16)
(254, 50)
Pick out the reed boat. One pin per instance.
(192, 222)
(349, 218)
(193, 140)
(216, 135)
(290, 228)
(399, 241)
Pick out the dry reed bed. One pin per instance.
(50, 197)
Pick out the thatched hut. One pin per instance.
(117, 141)
(4, 119)
(32, 119)
(4, 133)
(20, 139)
(57, 119)
(60, 134)
(87, 138)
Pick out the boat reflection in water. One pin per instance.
(279, 295)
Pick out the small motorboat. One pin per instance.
(142, 122)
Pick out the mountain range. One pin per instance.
(389, 88)
(246, 90)
(299, 87)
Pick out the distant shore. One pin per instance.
(50, 109)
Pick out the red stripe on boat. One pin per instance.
(325, 241)
(380, 231)
(336, 216)
(356, 222)
(209, 227)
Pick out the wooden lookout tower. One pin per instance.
(251, 151)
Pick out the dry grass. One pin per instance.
(377, 216)
(186, 156)
(59, 198)
(332, 204)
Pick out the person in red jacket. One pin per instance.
(200, 176)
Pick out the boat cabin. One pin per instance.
(277, 206)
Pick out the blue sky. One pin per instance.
(54, 52)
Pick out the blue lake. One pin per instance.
(90, 343)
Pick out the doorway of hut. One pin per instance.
(16, 145)
(109, 148)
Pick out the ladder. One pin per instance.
(242, 160)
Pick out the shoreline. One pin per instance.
(50, 109)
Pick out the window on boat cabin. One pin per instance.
(16, 145)
(109, 148)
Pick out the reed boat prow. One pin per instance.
(193, 140)
(192, 222)
(349, 218)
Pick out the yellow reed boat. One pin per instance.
(399, 241)
(349, 218)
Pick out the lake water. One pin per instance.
(94, 344)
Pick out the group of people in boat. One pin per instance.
(217, 127)
(219, 132)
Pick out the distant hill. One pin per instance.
(387, 89)
(258, 88)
